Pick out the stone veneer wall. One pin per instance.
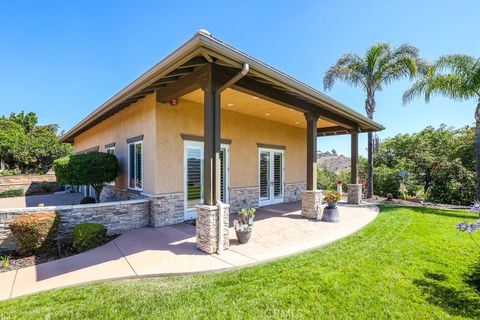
(246, 197)
(111, 193)
(166, 209)
(207, 228)
(293, 191)
(118, 217)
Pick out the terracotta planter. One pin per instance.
(243, 236)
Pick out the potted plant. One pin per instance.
(332, 197)
(330, 212)
(244, 224)
(339, 186)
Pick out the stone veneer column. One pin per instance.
(311, 204)
(207, 228)
(354, 193)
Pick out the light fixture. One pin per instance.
(290, 109)
(255, 98)
(297, 122)
(230, 105)
(267, 114)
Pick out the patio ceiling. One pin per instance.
(254, 106)
(182, 72)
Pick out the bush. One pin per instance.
(35, 232)
(9, 193)
(46, 186)
(87, 236)
(93, 168)
(87, 200)
(386, 181)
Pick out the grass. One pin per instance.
(410, 263)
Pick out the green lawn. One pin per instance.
(410, 263)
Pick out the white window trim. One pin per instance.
(111, 148)
(112, 183)
(271, 199)
(200, 144)
(128, 169)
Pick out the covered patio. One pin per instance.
(279, 231)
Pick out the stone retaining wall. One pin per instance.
(166, 209)
(112, 193)
(118, 217)
(293, 191)
(246, 197)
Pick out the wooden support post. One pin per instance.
(312, 119)
(211, 166)
(354, 159)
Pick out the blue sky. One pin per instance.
(62, 59)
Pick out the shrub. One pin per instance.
(35, 232)
(87, 200)
(46, 186)
(87, 236)
(386, 180)
(93, 168)
(9, 193)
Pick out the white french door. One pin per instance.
(271, 169)
(193, 176)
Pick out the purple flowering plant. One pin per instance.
(470, 227)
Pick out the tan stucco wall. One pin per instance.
(162, 126)
(244, 131)
(137, 119)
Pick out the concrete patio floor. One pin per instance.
(279, 231)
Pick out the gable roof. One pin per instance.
(203, 48)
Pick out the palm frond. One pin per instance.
(456, 63)
(349, 68)
(449, 85)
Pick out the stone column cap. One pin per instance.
(312, 191)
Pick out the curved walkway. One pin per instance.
(279, 231)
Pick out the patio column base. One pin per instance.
(311, 204)
(354, 193)
(207, 228)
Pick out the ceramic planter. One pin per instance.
(243, 235)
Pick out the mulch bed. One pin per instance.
(18, 261)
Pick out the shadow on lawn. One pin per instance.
(460, 301)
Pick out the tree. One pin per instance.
(42, 147)
(380, 66)
(11, 135)
(27, 121)
(93, 168)
(439, 162)
(458, 77)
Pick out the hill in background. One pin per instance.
(333, 162)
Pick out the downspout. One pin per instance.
(221, 205)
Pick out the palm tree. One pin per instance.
(380, 66)
(456, 76)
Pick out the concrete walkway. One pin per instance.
(279, 231)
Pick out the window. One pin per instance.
(110, 150)
(135, 165)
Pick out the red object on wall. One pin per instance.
(174, 101)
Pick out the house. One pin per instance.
(210, 123)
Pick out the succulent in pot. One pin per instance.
(244, 224)
(332, 197)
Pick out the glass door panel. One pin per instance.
(264, 175)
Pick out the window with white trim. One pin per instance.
(135, 165)
(110, 150)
